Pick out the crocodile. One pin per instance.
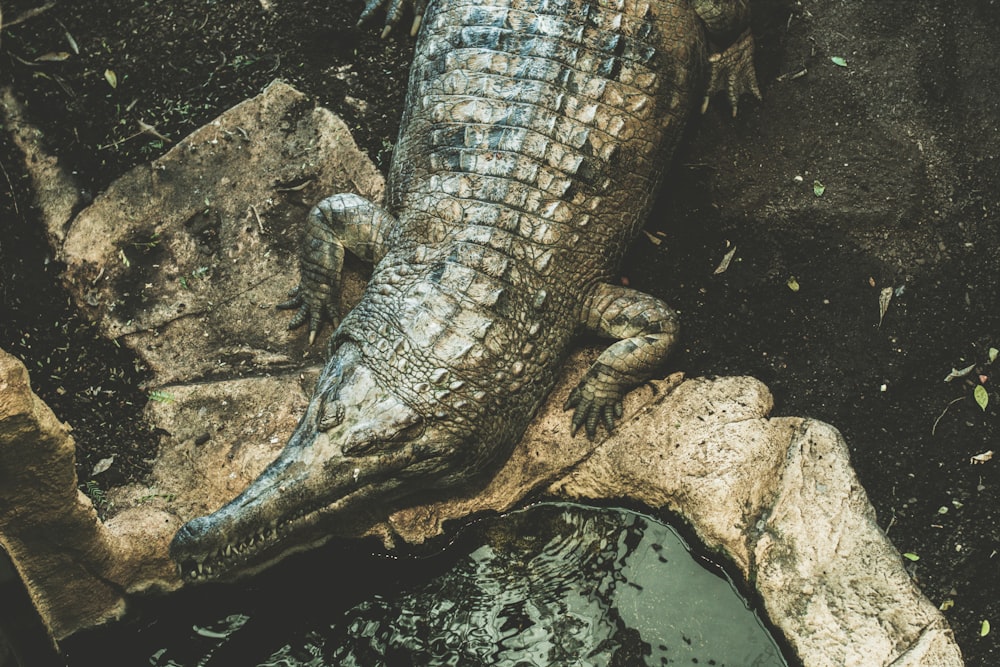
(533, 140)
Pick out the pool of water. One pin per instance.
(554, 584)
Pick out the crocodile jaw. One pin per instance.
(356, 445)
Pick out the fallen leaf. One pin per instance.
(724, 264)
(884, 298)
(982, 396)
(655, 240)
(111, 78)
(102, 465)
(982, 458)
(993, 354)
(838, 61)
(211, 634)
(911, 556)
(959, 373)
(72, 42)
(53, 57)
(818, 188)
(947, 604)
(984, 628)
(792, 283)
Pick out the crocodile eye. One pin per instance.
(409, 432)
(331, 414)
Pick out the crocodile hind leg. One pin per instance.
(733, 73)
(732, 70)
(338, 223)
(646, 328)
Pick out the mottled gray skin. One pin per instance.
(532, 144)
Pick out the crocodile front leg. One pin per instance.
(646, 328)
(344, 221)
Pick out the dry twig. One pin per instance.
(25, 15)
(934, 428)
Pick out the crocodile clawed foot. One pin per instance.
(733, 73)
(394, 10)
(305, 312)
(595, 402)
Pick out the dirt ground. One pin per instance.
(870, 166)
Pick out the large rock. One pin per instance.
(49, 529)
(183, 260)
(177, 258)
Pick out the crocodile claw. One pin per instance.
(594, 402)
(304, 312)
(294, 300)
(733, 73)
(394, 10)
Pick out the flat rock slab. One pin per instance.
(183, 260)
(178, 258)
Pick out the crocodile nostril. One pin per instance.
(332, 415)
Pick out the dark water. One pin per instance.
(23, 639)
(555, 584)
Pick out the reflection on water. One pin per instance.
(552, 585)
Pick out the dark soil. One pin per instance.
(904, 139)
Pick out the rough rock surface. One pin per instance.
(207, 235)
(776, 496)
(48, 527)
